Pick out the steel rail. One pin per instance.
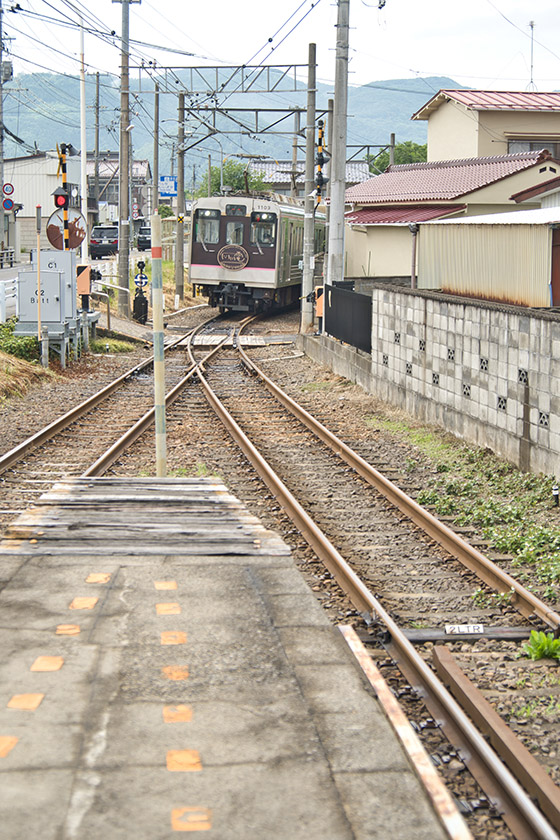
(525, 601)
(495, 778)
(47, 432)
(102, 464)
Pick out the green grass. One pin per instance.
(110, 345)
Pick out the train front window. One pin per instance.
(234, 233)
(263, 229)
(207, 226)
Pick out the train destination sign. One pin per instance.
(233, 257)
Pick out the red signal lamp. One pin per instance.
(61, 198)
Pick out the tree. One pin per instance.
(407, 152)
(164, 211)
(233, 176)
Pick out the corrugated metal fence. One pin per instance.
(348, 317)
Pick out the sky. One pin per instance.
(480, 43)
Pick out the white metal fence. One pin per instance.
(8, 299)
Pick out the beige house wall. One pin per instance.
(456, 132)
(514, 125)
(378, 251)
(452, 133)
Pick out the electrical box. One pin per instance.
(64, 262)
(53, 292)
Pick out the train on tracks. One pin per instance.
(246, 252)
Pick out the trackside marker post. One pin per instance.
(159, 367)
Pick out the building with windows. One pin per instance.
(487, 123)
(105, 187)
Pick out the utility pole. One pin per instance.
(180, 241)
(83, 145)
(2, 220)
(328, 192)
(308, 218)
(155, 172)
(124, 208)
(338, 161)
(96, 147)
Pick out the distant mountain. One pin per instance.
(43, 109)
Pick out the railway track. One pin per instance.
(424, 573)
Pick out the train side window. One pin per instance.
(263, 229)
(207, 226)
(234, 233)
(236, 210)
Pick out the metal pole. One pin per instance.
(96, 149)
(209, 175)
(308, 220)
(180, 241)
(2, 219)
(159, 366)
(293, 184)
(338, 162)
(83, 145)
(38, 221)
(66, 235)
(155, 173)
(392, 150)
(328, 193)
(124, 210)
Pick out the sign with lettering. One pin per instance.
(233, 257)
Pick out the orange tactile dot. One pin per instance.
(83, 603)
(175, 672)
(98, 577)
(7, 743)
(173, 637)
(191, 819)
(177, 714)
(47, 663)
(183, 761)
(168, 609)
(165, 584)
(27, 702)
(67, 629)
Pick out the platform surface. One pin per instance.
(165, 669)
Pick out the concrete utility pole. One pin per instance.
(294, 174)
(180, 241)
(328, 192)
(338, 161)
(306, 323)
(83, 145)
(155, 171)
(124, 144)
(2, 220)
(96, 147)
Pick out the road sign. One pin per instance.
(180, 219)
(76, 229)
(8, 189)
(167, 185)
(141, 280)
(8, 204)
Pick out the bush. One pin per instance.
(26, 348)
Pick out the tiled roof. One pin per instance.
(280, 171)
(547, 187)
(441, 180)
(492, 100)
(401, 215)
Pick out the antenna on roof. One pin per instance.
(532, 85)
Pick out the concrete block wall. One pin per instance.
(488, 373)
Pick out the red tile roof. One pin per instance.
(441, 180)
(492, 100)
(402, 215)
(553, 185)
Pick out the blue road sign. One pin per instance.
(141, 280)
(167, 185)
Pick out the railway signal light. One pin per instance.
(320, 161)
(61, 198)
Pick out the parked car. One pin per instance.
(144, 239)
(104, 241)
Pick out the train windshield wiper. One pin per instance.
(203, 243)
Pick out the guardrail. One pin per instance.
(7, 257)
(8, 296)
